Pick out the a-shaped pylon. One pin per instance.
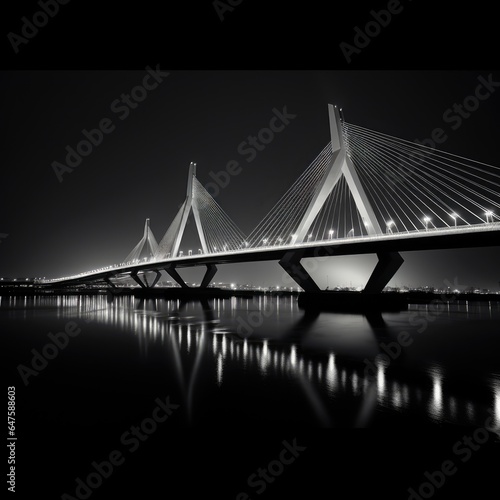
(340, 165)
(148, 240)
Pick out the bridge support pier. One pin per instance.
(109, 282)
(138, 280)
(291, 264)
(144, 282)
(386, 268)
(170, 269)
(211, 270)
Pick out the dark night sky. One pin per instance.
(96, 215)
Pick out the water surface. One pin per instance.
(257, 361)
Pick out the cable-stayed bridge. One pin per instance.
(366, 192)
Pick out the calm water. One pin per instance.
(245, 375)
(257, 361)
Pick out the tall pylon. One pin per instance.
(148, 240)
(340, 165)
(170, 243)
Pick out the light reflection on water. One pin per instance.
(436, 402)
(321, 358)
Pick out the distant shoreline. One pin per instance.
(410, 297)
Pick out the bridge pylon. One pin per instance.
(340, 165)
(148, 240)
(170, 243)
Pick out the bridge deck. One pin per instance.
(480, 235)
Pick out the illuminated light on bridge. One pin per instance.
(382, 194)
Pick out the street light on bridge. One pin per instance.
(389, 225)
(309, 238)
(454, 216)
(330, 233)
(489, 216)
(426, 221)
(294, 239)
